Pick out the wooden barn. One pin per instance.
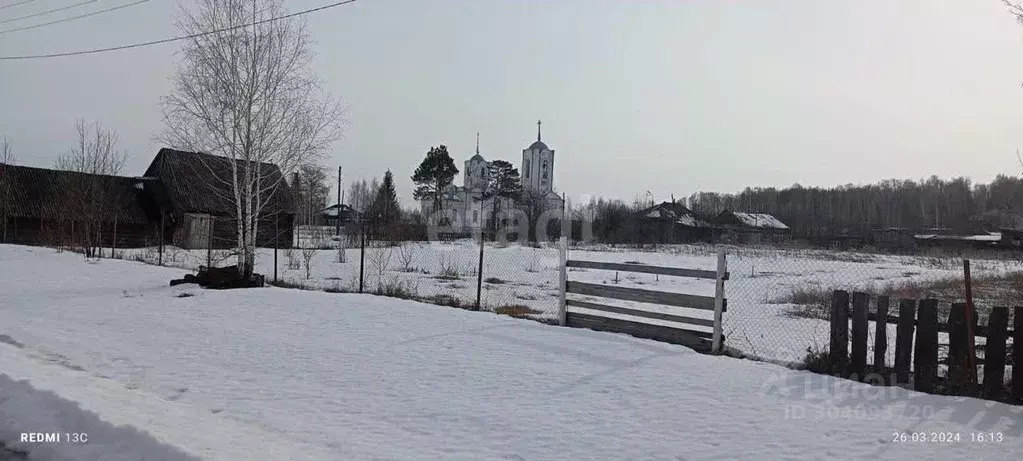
(893, 238)
(40, 206)
(742, 227)
(349, 215)
(201, 203)
(670, 222)
(956, 242)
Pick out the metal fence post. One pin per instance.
(479, 272)
(161, 236)
(209, 243)
(562, 279)
(719, 301)
(277, 236)
(362, 259)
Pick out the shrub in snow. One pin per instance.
(406, 254)
(307, 259)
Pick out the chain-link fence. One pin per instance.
(779, 298)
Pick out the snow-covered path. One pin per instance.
(310, 375)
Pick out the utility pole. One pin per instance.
(338, 229)
(341, 245)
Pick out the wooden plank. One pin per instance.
(925, 357)
(994, 353)
(1016, 393)
(642, 296)
(904, 339)
(958, 347)
(858, 360)
(839, 348)
(979, 330)
(642, 268)
(639, 313)
(640, 330)
(881, 334)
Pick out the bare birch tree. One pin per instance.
(92, 198)
(6, 151)
(6, 158)
(244, 90)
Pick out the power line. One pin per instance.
(75, 5)
(173, 39)
(22, 2)
(36, 26)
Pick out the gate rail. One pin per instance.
(677, 334)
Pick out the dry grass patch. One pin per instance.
(517, 311)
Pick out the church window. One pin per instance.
(475, 216)
(544, 169)
(527, 167)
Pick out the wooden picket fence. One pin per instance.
(916, 362)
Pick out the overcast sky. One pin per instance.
(668, 96)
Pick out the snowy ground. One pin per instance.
(755, 323)
(286, 374)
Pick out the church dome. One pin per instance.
(477, 157)
(538, 145)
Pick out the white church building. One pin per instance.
(463, 206)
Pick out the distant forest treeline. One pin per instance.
(814, 212)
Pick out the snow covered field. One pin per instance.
(515, 275)
(286, 374)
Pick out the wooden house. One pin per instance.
(201, 202)
(40, 206)
(670, 222)
(742, 227)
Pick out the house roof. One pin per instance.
(43, 193)
(673, 212)
(989, 237)
(347, 210)
(756, 220)
(202, 183)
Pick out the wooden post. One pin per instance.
(925, 358)
(971, 321)
(881, 334)
(562, 280)
(839, 348)
(479, 271)
(904, 340)
(860, 325)
(958, 348)
(719, 302)
(1017, 355)
(994, 354)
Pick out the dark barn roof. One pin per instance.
(672, 212)
(44, 193)
(749, 221)
(201, 183)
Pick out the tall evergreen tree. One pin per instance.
(503, 183)
(434, 174)
(385, 211)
